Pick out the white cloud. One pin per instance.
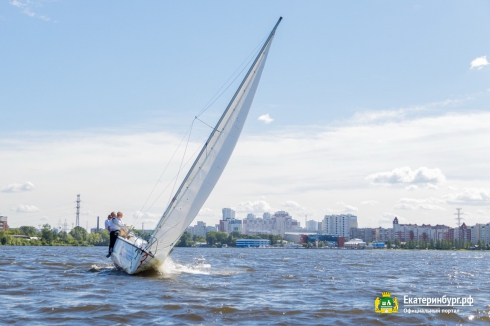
(19, 187)
(149, 220)
(290, 203)
(420, 204)
(209, 214)
(375, 116)
(431, 186)
(469, 196)
(347, 208)
(26, 8)
(479, 62)
(266, 118)
(294, 208)
(44, 219)
(401, 114)
(147, 215)
(405, 175)
(206, 211)
(389, 217)
(24, 208)
(333, 211)
(369, 202)
(412, 187)
(430, 200)
(403, 206)
(418, 207)
(259, 206)
(307, 164)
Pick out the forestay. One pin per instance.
(209, 164)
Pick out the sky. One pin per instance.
(374, 108)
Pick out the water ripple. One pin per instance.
(78, 285)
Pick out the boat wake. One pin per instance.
(100, 268)
(199, 267)
(170, 267)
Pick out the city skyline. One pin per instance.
(457, 222)
(385, 117)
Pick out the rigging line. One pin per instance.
(174, 178)
(206, 124)
(245, 63)
(164, 170)
(181, 162)
(243, 86)
(229, 85)
(161, 193)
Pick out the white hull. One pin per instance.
(130, 255)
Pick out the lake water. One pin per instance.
(78, 285)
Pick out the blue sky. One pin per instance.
(354, 88)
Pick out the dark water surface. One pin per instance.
(77, 285)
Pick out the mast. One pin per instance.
(203, 149)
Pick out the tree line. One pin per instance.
(78, 236)
(438, 244)
(47, 236)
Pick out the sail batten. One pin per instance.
(210, 162)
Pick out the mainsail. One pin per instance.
(209, 164)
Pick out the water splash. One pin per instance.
(170, 267)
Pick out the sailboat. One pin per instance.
(134, 254)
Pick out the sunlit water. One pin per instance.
(78, 285)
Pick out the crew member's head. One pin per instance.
(119, 214)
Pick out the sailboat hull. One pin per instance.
(130, 256)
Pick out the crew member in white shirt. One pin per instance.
(108, 223)
(116, 225)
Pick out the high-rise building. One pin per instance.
(199, 229)
(279, 223)
(462, 233)
(385, 234)
(3, 223)
(228, 213)
(230, 225)
(211, 229)
(366, 234)
(339, 224)
(283, 222)
(479, 232)
(424, 232)
(311, 225)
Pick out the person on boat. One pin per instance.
(108, 223)
(116, 226)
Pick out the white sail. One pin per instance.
(210, 163)
(133, 254)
